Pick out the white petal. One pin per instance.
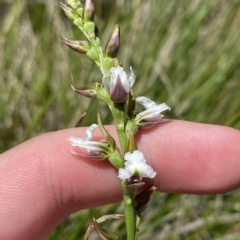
(115, 71)
(146, 102)
(75, 141)
(118, 72)
(132, 78)
(152, 114)
(123, 173)
(147, 171)
(135, 165)
(89, 132)
(90, 146)
(127, 83)
(136, 156)
(94, 147)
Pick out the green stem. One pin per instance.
(100, 54)
(118, 112)
(98, 49)
(130, 214)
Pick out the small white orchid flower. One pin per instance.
(95, 150)
(135, 166)
(119, 85)
(152, 114)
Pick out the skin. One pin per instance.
(42, 182)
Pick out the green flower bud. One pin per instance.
(78, 22)
(74, 3)
(116, 159)
(89, 27)
(93, 55)
(70, 13)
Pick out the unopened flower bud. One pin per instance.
(114, 43)
(89, 27)
(88, 12)
(93, 54)
(87, 92)
(78, 46)
(74, 3)
(70, 13)
(120, 85)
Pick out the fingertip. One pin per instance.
(193, 157)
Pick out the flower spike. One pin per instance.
(116, 90)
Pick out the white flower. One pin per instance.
(152, 114)
(95, 150)
(135, 165)
(119, 85)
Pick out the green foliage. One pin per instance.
(185, 53)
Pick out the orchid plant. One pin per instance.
(115, 89)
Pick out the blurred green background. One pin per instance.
(185, 53)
